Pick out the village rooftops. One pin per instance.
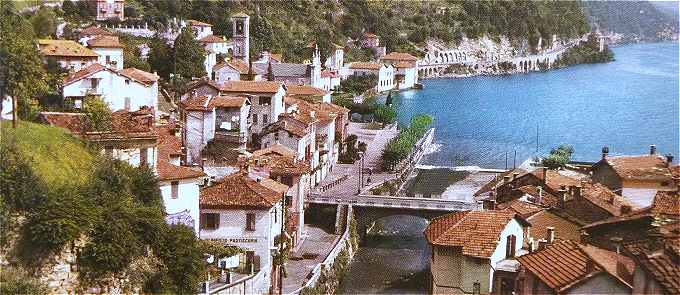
(212, 39)
(280, 69)
(666, 205)
(658, 258)
(170, 146)
(137, 75)
(104, 41)
(305, 90)
(365, 66)
(563, 265)
(565, 227)
(195, 23)
(280, 160)
(399, 56)
(94, 31)
(251, 86)
(295, 124)
(207, 103)
(642, 167)
(476, 232)
(238, 191)
(124, 125)
(64, 48)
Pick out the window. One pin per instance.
(510, 246)
(174, 189)
(254, 118)
(127, 103)
(250, 221)
(265, 119)
(127, 81)
(94, 83)
(143, 157)
(108, 60)
(264, 100)
(211, 220)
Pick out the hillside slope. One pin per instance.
(636, 20)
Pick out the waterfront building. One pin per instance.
(476, 251)
(249, 213)
(384, 73)
(215, 121)
(132, 137)
(110, 9)
(179, 184)
(637, 178)
(128, 89)
(568, 267)
(69, 54)
(406, 67)
(279, 163)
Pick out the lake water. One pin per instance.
(627, 105)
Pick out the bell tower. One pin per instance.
(241, 36)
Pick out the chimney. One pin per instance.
(541, 244)
(605, 151)
(545, 175)
(531, 245)
(576, 192)
(540, 195)
(616, 242)
(562, 195)
(625, 209)
(258, 179)
(669, 160)
(652, 149)
(506, 179)
(550, 236)
(584, 237)
(514, 175)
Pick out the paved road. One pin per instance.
(318, 242)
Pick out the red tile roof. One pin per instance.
(207, 103)
(405, 64)
(660, 263)
(563, 265)
(276, 149)
(84, 73)
(64, 48)
(92, 31)
(104, 41)
(240, 191)
(251, 86)
(170, 145)
(279, 160)
(196, 23)
(524, 209)
(305, 90)
(565, 228)
(329, 74)
(666, 203)
(643, 167)
(602, 197)
(212, 39)
(476, 232)
(139, 75)
(124, 125)
(399, 56)
(365, 66)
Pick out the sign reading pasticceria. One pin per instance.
(242, 240)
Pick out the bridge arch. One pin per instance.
(367, 216)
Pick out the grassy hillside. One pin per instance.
(58, 157)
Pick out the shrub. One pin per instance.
(558, 157)
(400, 147)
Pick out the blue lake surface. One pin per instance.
(626, 105)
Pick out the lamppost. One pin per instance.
(361, 171)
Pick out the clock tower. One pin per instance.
(241, 36)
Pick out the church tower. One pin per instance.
(241, 36)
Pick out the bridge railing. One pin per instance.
(394, 202)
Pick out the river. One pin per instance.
(627, 105)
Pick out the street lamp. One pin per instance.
(361, 171)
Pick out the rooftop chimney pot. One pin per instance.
(652, 149)
(550, 234)
(669, 159)
(605, 151)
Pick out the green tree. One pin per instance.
(44, 22)
(160, 57)
(189, 55)
(183, 259)
(23, 72)
(70, 9)
(558, 157)
(97, 114)
(385, 114)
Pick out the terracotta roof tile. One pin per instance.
(276, 149)
(84, 73)
(196, 103)
(601, 196)
(365, 66)
(240, 191)
(105, 41)
(170, 145)
(404, 64)
(212, 39)
(565, 228)
(278, 160)
(666, 203)
(251, 86)
(305, 90)
(92, 31)
(196, 23)
(227, 101)
(644, 167)
(476, 232)
(124, 125)
(68, 48)
(139, 75)
(659, 262)
(524, 209)
(400, 56)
